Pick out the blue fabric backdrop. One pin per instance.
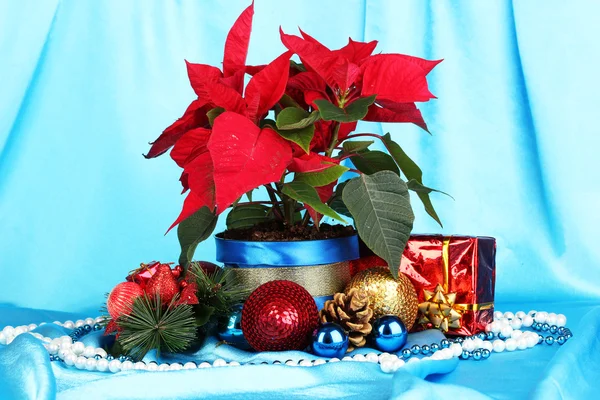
(84, 86)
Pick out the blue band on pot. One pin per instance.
(290, 254)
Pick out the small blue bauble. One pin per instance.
(545, 327)
(445, 343)
(329, 340)
(476, 355)
(425, 349)
(406, 353)
(434, 347)
(390, 334)
(232, 333)
(416, 349)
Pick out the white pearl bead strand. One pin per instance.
(506, 326)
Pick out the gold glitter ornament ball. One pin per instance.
(388, 296)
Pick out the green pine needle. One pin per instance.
(218, 289)
(150, 325)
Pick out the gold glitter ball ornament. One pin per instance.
(388, 296)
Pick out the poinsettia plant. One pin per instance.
(290, 130)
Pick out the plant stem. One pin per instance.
(274, 202)
(334, 139)
(363, 135)
(306, 219)
(289, 209)
(258, 202)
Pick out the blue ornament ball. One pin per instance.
(329, 340)
(389, 333)
(232, 333)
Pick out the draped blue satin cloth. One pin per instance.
(85, 85)
(542, 373)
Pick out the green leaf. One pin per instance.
(412, 172)
(193, 230)
(298, 216)
(292, 116)
(321, 178)
(380, 205)
(246, 215)
(287, 101)
(249, 195)
(419, 188)
(370, 162)
(336, 203)
(302, 137)
(214, 113)
(356, 146)
(268, 122)
(299, 67)
(307, 194)
(355, 111)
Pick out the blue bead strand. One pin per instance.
(553, 335)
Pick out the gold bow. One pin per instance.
(439, 309)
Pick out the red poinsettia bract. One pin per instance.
(351, 72)
(226, 147)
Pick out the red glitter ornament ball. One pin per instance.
(164, 283)
(279, 315)
(120, 300)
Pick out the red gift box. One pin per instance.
(454, 277)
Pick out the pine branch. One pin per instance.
(152, 326)
(218, 289)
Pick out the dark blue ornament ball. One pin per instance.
(389, 333)
(232, 333)
(329, 340)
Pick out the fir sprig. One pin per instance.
(218, 289)
(150, 325)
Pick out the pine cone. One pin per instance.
(351, 311)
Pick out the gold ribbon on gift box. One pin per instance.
(439, 308)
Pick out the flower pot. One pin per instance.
(321, 266)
